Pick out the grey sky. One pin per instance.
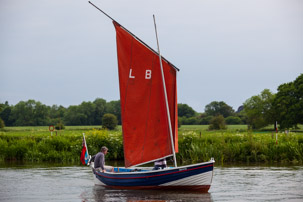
(64, 51)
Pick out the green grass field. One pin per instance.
(205, 127)
(231, 128)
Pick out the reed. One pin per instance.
(235, 145)
(64, 147)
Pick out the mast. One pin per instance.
(165, 95)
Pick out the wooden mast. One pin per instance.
(166, 100)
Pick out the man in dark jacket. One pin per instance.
(99, 162)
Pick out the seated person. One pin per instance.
(160, 164)
(99, 161)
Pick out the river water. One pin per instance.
(75, 183)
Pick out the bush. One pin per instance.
(112, 140)
(59, 126)
(217, 123)
(233, 120)
(224, 146)
(179, 123)
(189, 121)
(109, 121)
(205, 120)
(2, 125)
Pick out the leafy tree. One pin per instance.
(2, 125)
(100, 105)
(74, 116)
(30, 113)
(185, 111)
(179, 123)
(216, 108)
(60, 126)
(233, 120)
(56, 114)
(23, 113)
(88, 109)
(41, 114)
(189, 121)
(240, 109)
(204, 119)
(109, 121)
(91, 113)
(217, 123)
(1, 121)
(258, 109)
(6, 114)
(82, 114)
(114, 107)
(288, 103)
(242, 116)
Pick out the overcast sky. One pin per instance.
(63, 52)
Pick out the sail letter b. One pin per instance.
(148, 74)
(130, 74)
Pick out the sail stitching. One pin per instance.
(148, 112)
(130, 63)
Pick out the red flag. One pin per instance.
(84, 153)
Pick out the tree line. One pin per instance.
(285, 107)
(34, 113)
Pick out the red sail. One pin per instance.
(146, 135)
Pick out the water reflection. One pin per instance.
(101, 194)
(75, 183)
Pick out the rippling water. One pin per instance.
(74, 183)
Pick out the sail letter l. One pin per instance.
(130, 74)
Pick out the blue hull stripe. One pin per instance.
(152, 178)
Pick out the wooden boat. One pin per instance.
(148, 96)
(197, 177)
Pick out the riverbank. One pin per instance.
(196, 144)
